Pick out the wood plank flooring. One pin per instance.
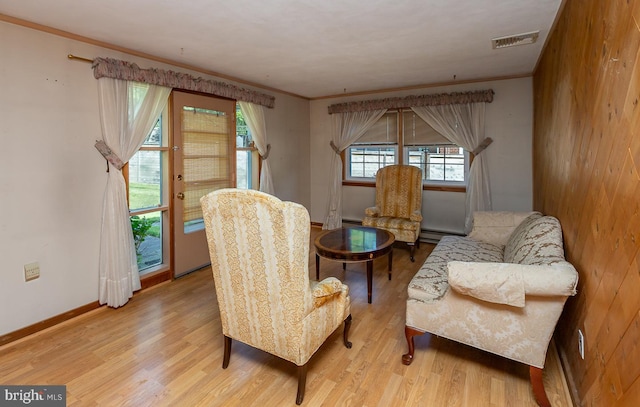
(164, 348)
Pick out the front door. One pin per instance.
(204, 161)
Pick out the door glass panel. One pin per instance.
(205, 143)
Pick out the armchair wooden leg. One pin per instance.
(345, 336)
(227, 352)
(409, 333)
(302, 382)
(535, 373)
(412, 247)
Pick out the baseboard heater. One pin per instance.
(426, 235)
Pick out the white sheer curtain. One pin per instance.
(128, 112)
(346, 129)
(254, 115)
(463, 125)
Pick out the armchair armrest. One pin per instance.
(326, 289)
(508, 283)
(416, 216)
(495, 226)
(372, 211)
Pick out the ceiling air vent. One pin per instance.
(513, 40)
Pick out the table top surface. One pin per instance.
(357, 243)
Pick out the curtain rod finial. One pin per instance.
(71, 56)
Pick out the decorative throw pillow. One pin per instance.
(539, 243)
(492, 282)
(517, 235)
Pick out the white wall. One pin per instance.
(52, 178)
(509, 122)
(288, 133)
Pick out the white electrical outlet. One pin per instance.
(31, 271)
(581, 344)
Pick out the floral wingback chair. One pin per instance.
(398, 204)
(259, 248)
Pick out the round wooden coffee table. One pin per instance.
(355, 244)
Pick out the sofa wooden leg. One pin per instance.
(302, 382)
(345, 336)
(535, 374)
(227, 352)
(409, 333)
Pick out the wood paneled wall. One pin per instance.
(586, 156)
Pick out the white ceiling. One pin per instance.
(313, 48)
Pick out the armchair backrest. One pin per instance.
(399, 190)
(259, 249)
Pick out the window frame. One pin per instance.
(255, 166)
(402, 151)
(347, 160)
(161, 271)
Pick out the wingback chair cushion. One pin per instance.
(398, 206)
(259, 248)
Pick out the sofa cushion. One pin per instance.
(430, 282)
(536, 241)
(496, 227)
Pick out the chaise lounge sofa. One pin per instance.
(501, 289)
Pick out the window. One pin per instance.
(377, 148)
(441, 162)
(403, 137)
(147, 194)
(247, 157)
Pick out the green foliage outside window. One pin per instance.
(140, 227)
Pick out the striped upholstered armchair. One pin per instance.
(398, 204)
(259, 247)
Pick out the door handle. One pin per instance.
(180, 195)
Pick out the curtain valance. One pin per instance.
(117, 69)
(454, 98)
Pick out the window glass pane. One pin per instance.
(244, 168)
(145, 180)
(365, 161)
(243, 133)
(244, 153)
(439, 162)
(147, 237)
(155, 136)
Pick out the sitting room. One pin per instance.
(502, 269)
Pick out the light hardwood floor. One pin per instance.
(164, 348)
